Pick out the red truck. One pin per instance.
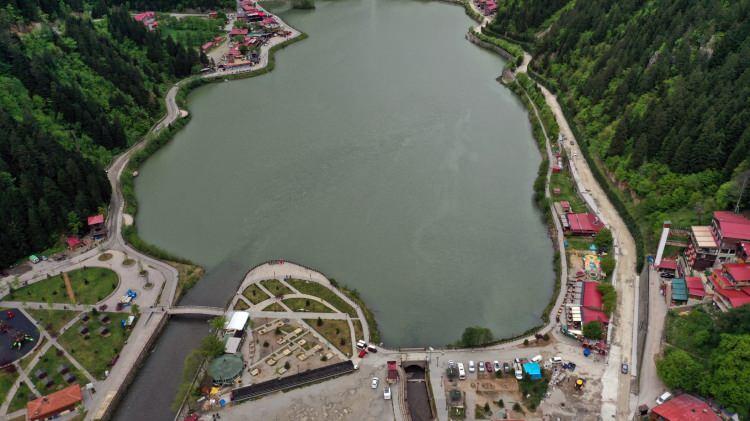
(392, 372)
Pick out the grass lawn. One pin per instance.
(6, 382)
(90, 286)
(23, 395)
(240, 305)
(187, 275)
(52, 320)
(303, 304)
(255, 294)
(49, 363)
(358, 329)
(274, 307)
(577, 242)
(564, 182)
(96, 353)
(191, 30)
(25, 361)
(276, 287)
(318, 290)
(336, 332)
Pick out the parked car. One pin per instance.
(496, 365)
(361, 344)
(451, 363)
(472, 367)
(624, 368)
(481, 366)
(372, 349)
(387, 393)
(537, 358)
(375, 382)
(488, 366)
(556, 360)
(362, 353)
(663, 398)
(506, 367)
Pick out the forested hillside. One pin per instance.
(659, 90)
(73, 92)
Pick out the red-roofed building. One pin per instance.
(148, 19)
(54, 404)
(591, 304)
(738, 272)
(207, 46)
(238, 32)
(695, 287)
(684, 407)
(727, 293)
(73, 242)
(584, 223)
(722, 240)
(96, 225)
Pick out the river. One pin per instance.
(380, 151)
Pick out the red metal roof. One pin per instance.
(141, 16)
(736, 297)
(592, 298)
(56, 402)
(670, 264)
(589, 315)
(733, 225)
(584, 222)
(96, 219)
(685, 407)
(207, 45)
(695, 286)
(72, 241)
(238, 31)
(740, 272)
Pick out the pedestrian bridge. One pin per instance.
(196, 311)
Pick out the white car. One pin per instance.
(481, 366)
(451, 363)
(537, 359)
(556, 360)
(374, 383)
(496, 365)
(387, 393)
(663, 398)
(472, 367)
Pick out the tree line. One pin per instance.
(73, 92)
(658, 91)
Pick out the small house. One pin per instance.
(73, 242)
(584, 223)
(54, 404)
(684, 407)
(96, 226)
(533, 370)
(679, 291)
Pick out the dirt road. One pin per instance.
(616, 391)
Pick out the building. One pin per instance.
(584, 223)
(702, 249)
(721, 241)
(679, 292)
(238, 32)
(54, 404)
(148, 19)
(237, 321)
(731, 285)
(695, 287)
(73, 242)
(668, 267)
(591, 304)
(96, 226)
(684, 407)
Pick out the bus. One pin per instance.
(461, 372)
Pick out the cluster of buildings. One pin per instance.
(488, 7)
(714, 266)
(211, 44)
(147, 19)
(259, 26)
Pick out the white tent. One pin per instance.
(237, 321)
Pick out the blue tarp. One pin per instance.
(533, 370)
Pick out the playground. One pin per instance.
(18, 336)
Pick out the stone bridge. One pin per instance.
(196, 311)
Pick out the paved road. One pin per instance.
(650, 384)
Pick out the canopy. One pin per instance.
(225, 369)
(232, 345)
(237, 321)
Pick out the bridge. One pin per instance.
(196, 311)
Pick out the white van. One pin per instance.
(472, 367)
(537, 359)
(518, 371)
(461, 372)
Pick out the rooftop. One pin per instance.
(740, 272)
(695, 286)
(685, 407)
(703, 236)
(95, 219)
(584, 222)
(679, 290)
(670, 264)
(732, 225)
(49, 405)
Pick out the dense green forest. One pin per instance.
(73, 92)
(658, 90)
(708, 354)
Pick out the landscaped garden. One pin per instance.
(90, 285)
(306, 304)
(52, 320)
(50, 363)
(22, 396)
(320, 291)
(274, 307)
(276, 287)
(96, 352)
(8, 376)
(335, 331)
(254, 294)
